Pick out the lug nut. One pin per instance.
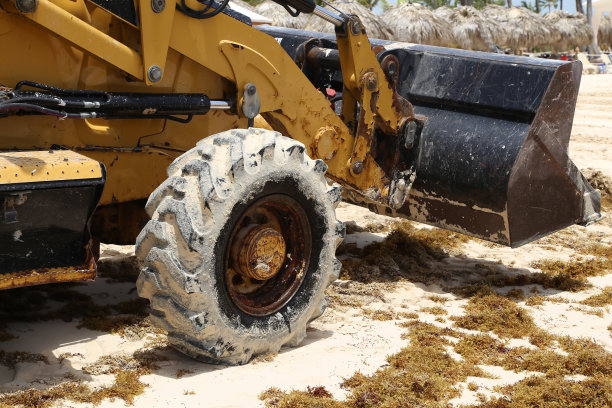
(154, 73)
(410, 130)
(371, 82)
(251, 89)
(26, 6)
(357, 167)
(356, 27)
(158, 5)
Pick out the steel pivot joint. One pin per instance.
(381, 108)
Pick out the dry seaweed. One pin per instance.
(516, 294)
(421, 374)
(599, 263)
(536, 300)
(406, 252)
(602, 299)
(583, 356)
(553, 392)
(125, 269)
(127, 370)
(41, 303)
(472, 386)
(589, 311)
(380, 315)
(142, 362)
(409, 315)
(316, 397)
(492, 312)
(435, 310)
(126, 386)
(12, 358)
(355, 294)
(181, 372)
(5, 336)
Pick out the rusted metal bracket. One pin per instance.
(367, 83)
(365, 127)
(85, 272)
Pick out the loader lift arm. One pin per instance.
(246, 56)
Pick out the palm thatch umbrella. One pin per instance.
(417, 24)
(523, 28)
(469, 27)
(280, 17)
(498, 20)
(249, 11)
(374, 25)
(242, 4)
(604, 33)
(571, 29)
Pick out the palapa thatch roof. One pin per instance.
(520, 27)
(497, 16)
(280, 17)
(604, 32)
(374, 24)
(417, 24)
(243, 4)
(469, 27)
(571, 29)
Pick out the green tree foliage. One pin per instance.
(253, 2)
(369, 3)
(551, 4)
(480, 4)
(537, 5)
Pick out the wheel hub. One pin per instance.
(262, 253)
(268, 254)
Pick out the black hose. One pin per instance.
(60, 91)
(46, 111)
(201, 14)
(38, 100)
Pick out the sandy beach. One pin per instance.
(44, 346)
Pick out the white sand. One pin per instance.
(342, 341)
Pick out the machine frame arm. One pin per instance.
(244, 55)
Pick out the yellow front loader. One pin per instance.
(220, 149)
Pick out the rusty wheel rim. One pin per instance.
(268, 255)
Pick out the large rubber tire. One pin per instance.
(182, 248)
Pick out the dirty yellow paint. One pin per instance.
(84, 272)
(49, 165)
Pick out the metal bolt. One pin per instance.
(357, 167)
(371, 82)
(154, 73)
(251, 89)
(356, 27)
(410, 130)
(26, 6)
(158, 5)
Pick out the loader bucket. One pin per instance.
(492, 157)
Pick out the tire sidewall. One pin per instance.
(304, 187)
